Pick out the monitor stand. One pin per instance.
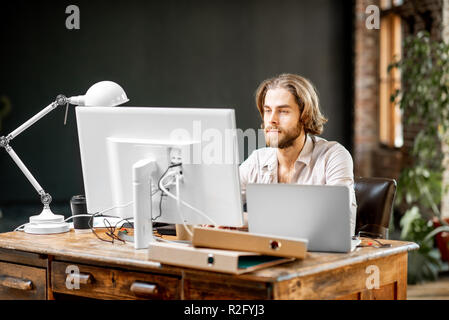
(143, 225)
(143, 171)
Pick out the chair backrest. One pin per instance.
(375, 197)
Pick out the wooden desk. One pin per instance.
(35, 266)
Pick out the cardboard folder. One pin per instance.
(249, 242)
(227, 261)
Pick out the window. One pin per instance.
(390, 125)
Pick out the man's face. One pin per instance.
(281, 118)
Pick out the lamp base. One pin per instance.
(47, 223)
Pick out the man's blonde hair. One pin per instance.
(305, 95)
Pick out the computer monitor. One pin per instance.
(113, 139)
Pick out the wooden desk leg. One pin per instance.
(50, 295)
(401, 293)
(398, 287)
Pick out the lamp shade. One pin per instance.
(105, 94)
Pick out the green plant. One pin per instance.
(423, 99)
(425, 263)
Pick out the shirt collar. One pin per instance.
(271, 160)
(304, 156)
(306, 153)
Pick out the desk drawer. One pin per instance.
(108, 283)
(22, 282)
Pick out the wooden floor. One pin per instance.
(438, 290)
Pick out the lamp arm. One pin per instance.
(24, 169)
(4, 142)
(45, 197)
(60, 100)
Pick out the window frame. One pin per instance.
(390, 49)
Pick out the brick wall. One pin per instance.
(370, 159)
(422, 15)
(366, 57)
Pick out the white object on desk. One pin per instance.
(143, 226)
(105, 92)
(319, 213)
(113, 140)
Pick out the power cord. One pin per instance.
(110, 229)
(371, 237)
(98, 214)
(164, 192)
(159, 188)
(180, 201)
(22, 227)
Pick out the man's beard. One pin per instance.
(275, 140)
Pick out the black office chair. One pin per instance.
(375, 198)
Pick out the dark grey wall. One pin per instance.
(164, 53)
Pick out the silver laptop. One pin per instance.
(319, 213)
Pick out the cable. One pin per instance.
(178, 204)
(50, 222)
(367, 235)
(160, 208)
(171, 241)
(20, 228)
(77, 215)
(110, 229)
(93, 231)
(159, 189)
(98, 214)
(185, 203)
(115, 207)
(164, 192)
(23, 225)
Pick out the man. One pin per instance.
(291, 118)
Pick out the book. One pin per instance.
(249, 242)
(226, 261)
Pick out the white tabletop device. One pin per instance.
(125, 151)
(319, 213)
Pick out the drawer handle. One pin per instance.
(82, 278)
(142, 288)
(16, 283)
(85, 278)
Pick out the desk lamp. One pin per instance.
(104, 93)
